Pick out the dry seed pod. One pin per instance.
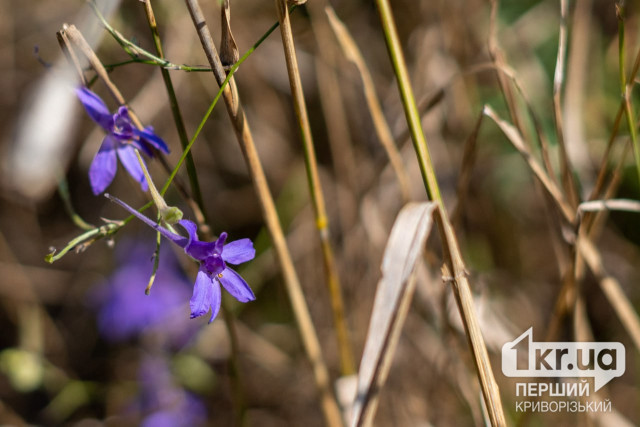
(229, 54)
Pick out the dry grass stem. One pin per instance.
(454, 269)
(612, 290)
(315, 189)
(516, 139)
(565, 167)
(353, 54)
(294, 289)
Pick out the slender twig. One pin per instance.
(565, 167)
(381, 126)
(234, 359)
(334, 112)
(245, 139)
(518, 142)
(134, 50)
(602, 172)
(454, 267)
(497, 56)
(468, 159)
(315, 189)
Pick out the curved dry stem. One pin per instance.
(383, 131)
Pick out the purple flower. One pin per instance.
(121, 140)
(213, 258)
(124, 311)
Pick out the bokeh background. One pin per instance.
(82, 345)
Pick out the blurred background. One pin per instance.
(82, 345)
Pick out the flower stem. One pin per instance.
(134, 50)
(63, 191)
(206, 116)
(315, 189)
(175, 111)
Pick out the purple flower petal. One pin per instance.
(216, 300)
(152, 139)
(95, 107)
(236, 286)
(219, 243)
(194, 247)
(238, 251)
(175, 238)
(104, 166)
(206, 294)
(129, 160)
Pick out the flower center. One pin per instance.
(215, 264)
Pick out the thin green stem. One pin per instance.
(134, 50)
(224, 84)
(90, 235)
(175, 111)
(136, 60)
(626, 86)
(409, 103)
(454, 266)
(63, 190)
(235, 371)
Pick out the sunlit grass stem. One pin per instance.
(315, 189)
(454, 269)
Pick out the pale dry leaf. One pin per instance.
(393, 295)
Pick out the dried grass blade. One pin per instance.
(294, 288)
(353, 54)
(514, 137)
(394, 293)
(611, 288)
(610, 205)
(565, 166)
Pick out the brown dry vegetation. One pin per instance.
(517, 245)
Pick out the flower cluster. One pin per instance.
(213, 258)
(122, 138)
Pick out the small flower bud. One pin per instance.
(171, 214)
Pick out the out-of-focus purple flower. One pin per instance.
(124, 311)
(121, 140)
(165, 403)
(213, 258)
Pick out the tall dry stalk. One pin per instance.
(294, 289)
